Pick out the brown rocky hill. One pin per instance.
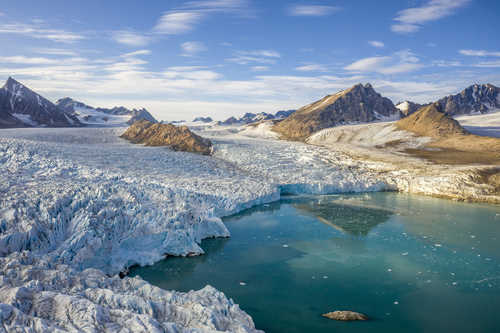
(430, 121)
(179, 138)
(358, 104)
(451, 144)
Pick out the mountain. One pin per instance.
(408, 107)
(203, 119)
(179, 138)
(90, 116)
(22, 107)
(249, 118)
(358, 104)
(475, 99)
(431, 121)
(283, 114)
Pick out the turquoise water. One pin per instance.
(411, 263)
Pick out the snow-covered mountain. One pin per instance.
(358, 104)
(22, 107)
(90, 116)
(476, 99)
(249, 118)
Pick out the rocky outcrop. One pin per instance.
(179, 138)
(345, 316)
(22, 107)
(477, 98)
(359, 104)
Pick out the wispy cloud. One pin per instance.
(175, 23)
(479, 53)
(136, 53)
(400, 62)
(312, 68)
(52, 51)
(259, 68)
(376, 43)
(258, 56)
(191, 49)
(39, 31)
(488, 64)
(185, 18)
(23, 60)
(411, 19)
(312, 10)
(130, 38)
(224, 6)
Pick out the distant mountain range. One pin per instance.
(90, 116)
(249, 118)
(22, 107)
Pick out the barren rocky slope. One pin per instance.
(359, 104)
(177, 137)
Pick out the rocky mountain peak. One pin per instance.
(358, 104)
(477, 98)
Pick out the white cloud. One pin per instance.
(258, 56)
(312, 10)
(131, 38)
(400, 62)
(137, 53)
(2, 14)
(411, 19)
(218, 5)
(175, 23)
(259, 68)
(447, 63)
(38, 31)
(371, 64)
(51, 51)
(479, 53)
(311, 68)
(190, 49)
(23, 60)
(376, 43)
(488, 64)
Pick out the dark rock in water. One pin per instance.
(177, 137)
(345, 316)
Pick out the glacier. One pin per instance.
(80, 205)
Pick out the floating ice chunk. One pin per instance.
(396, 302)
(243, 283)
(404, 253)
(285, 245)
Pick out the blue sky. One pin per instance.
(219, 58)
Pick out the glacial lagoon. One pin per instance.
(411, 263)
